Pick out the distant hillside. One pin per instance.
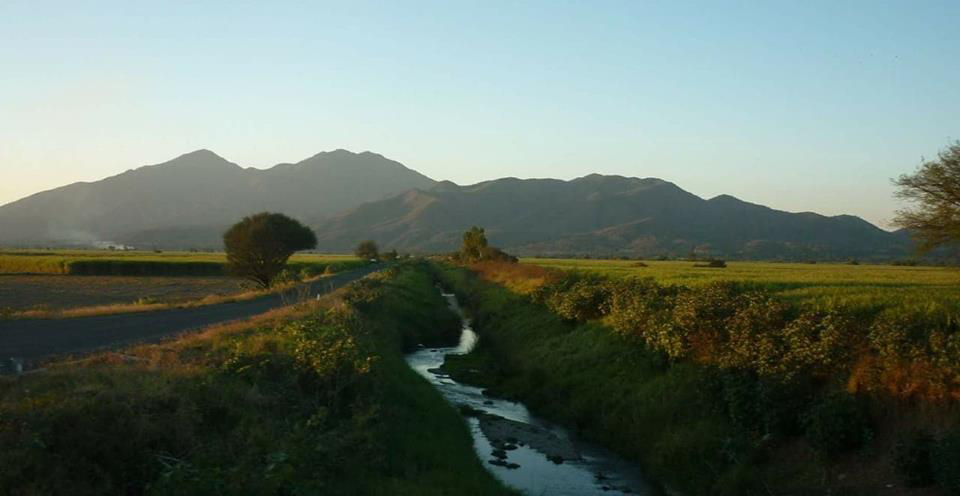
(189, 201)
(605, 215)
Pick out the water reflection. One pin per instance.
(597, 471)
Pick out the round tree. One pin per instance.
(259, 246)
(474, 244)
(367, 250)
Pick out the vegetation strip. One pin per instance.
(721, 389)
(118, 263)
(319, 401)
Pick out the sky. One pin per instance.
(801, 106)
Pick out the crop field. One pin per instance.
(821, 285)
(72, 283)
(47, 292)
(105, 262)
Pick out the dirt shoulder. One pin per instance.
(29, 341)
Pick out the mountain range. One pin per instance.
(190, 200)
(347, 197)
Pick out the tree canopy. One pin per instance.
(475, 248)
(259, 246)
(474, 244)
(934, 191)
(367, 250)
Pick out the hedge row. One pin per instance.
(900, 351)
(189, 268)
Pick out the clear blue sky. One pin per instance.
(797, 105)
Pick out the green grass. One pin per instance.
(589, 379)
(701, 421)
(318, 401)
(819, 285)
(105, 262)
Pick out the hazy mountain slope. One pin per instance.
(603, 215)
(189, 200)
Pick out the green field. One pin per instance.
(719, 388)
(818, 285)
(107, 262)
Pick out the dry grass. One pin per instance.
(520, 278)
(145, 305)
(192, 348)
(283, 403)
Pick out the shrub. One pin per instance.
(713, 264)
(700, 320)
(754, 338)
(836, 424)
(287, 276)
(579, 298)
(640, 306)
(497, 255)
(367, 250)
(312, 270)
(917, 353)
(905, 263)
(329, 355)
(817, 343)
(391, 255)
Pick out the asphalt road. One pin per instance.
(29, 341)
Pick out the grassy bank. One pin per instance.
(134, 263)
(316, 399)
(658, 374)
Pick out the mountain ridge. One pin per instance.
(610, 215)
(188, 201)
(201, 189)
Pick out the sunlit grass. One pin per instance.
(58, 261)
(819, 285)
(313, 398)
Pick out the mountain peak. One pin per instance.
(343, 157)
(445, 185)
(201, 158)
(725, 199)
(339, 153)
(201, 154)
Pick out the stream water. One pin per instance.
(586, 468)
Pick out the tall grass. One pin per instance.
(316, 401)
(719, 388)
